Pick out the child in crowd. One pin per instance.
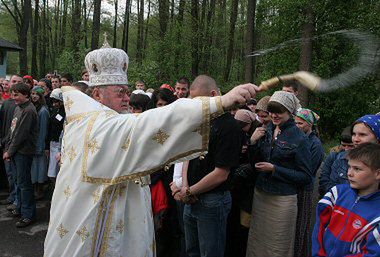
(366, 129)
(348, 216)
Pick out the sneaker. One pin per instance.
(11, 207)
(15, 214)
(5, 202)
(24, 222)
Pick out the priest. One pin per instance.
(101, 203)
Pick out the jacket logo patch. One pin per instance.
(357, 224)
(340, 212)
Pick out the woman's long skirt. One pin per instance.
(273, 225)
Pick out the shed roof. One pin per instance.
(4, 44)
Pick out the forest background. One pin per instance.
(168, 39)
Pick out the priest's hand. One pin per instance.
(239, 95)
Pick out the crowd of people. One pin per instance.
(251, 194)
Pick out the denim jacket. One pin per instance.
(43, 119)
(317, 155)
(334, 171)
(290, 154)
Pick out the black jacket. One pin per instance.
(6, 116)
(23, 135)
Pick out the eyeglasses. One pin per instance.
(121, 92)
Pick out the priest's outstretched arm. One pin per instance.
(112, 148)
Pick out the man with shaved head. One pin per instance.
(205, 192)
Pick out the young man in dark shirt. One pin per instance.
(205, 192)
(20, 148)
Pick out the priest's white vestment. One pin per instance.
(98, 207)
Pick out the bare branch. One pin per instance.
(14, 2)
(11, 13)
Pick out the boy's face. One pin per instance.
(181, 90)
(55, 83)
(19, 98)
(140, 86)
(362, 177)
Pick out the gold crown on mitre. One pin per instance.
(107, 65)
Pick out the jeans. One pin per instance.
(26, 203)
(205, 224)
(11, 175)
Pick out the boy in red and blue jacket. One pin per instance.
(348, 216)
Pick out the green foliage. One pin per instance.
(71, 62)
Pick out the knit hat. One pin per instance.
(308, 115)
(40, 91)
(245, 116)
(167, 86)
(28, 77)
(372, 121)
(262, 104)
(286, 99)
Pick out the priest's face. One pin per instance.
(115, 97)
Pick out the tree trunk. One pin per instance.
(115, 25)
(308, 31)
(234, 8)
(172, 11)
(64, 21)
(146, 30)
(140, 31)
(96, 25)
(85, 23)
(126, 25)
(57, 25)
(249, 41)
(202, 35)
(76, 24)
(163, 15)
(34, 71)
(23, 36)
(43, 40)
(49, 37)
(194, 40)
(181, 9)
(209, 35)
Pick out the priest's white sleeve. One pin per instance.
(112, 148)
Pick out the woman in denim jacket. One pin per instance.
(281, 155)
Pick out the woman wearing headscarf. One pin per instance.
(262, 111)
(39, 164)
(281, 153)
(306, 121)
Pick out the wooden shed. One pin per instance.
(6, 46)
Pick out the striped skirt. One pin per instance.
(273, 225)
